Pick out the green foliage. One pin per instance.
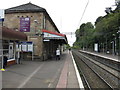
(84, 35)
(67, 46)
(108, 26)
(104, 31)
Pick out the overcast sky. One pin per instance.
(66, 14)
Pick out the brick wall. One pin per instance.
(13, 21)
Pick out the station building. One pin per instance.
(9, 40)
(43, 37)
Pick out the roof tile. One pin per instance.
(29, 7)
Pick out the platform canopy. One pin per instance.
(49, 35)
(10, 34)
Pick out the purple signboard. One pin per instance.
(25, 24)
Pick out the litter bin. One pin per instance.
(5, 61)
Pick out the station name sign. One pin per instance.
(1, 14)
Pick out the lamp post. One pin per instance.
(114, 44)
(1, 46)
(119, 41)
(113, 48)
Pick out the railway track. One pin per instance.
(94, 75)
(112, 63)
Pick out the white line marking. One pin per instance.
(78, 75)
(49, 85)
(30, 76)
(101, 56)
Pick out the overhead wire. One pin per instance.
(84, 12)
(71, 33)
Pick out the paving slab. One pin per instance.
(41, 74)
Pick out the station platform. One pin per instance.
(70, 77)
(52, 73)
(104, 55)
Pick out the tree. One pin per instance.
(104, 32)
(83, 35)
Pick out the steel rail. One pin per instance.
(83, 60)
(88, 58)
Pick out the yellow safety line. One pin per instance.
(2, 69)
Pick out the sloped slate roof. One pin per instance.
(29, 7)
